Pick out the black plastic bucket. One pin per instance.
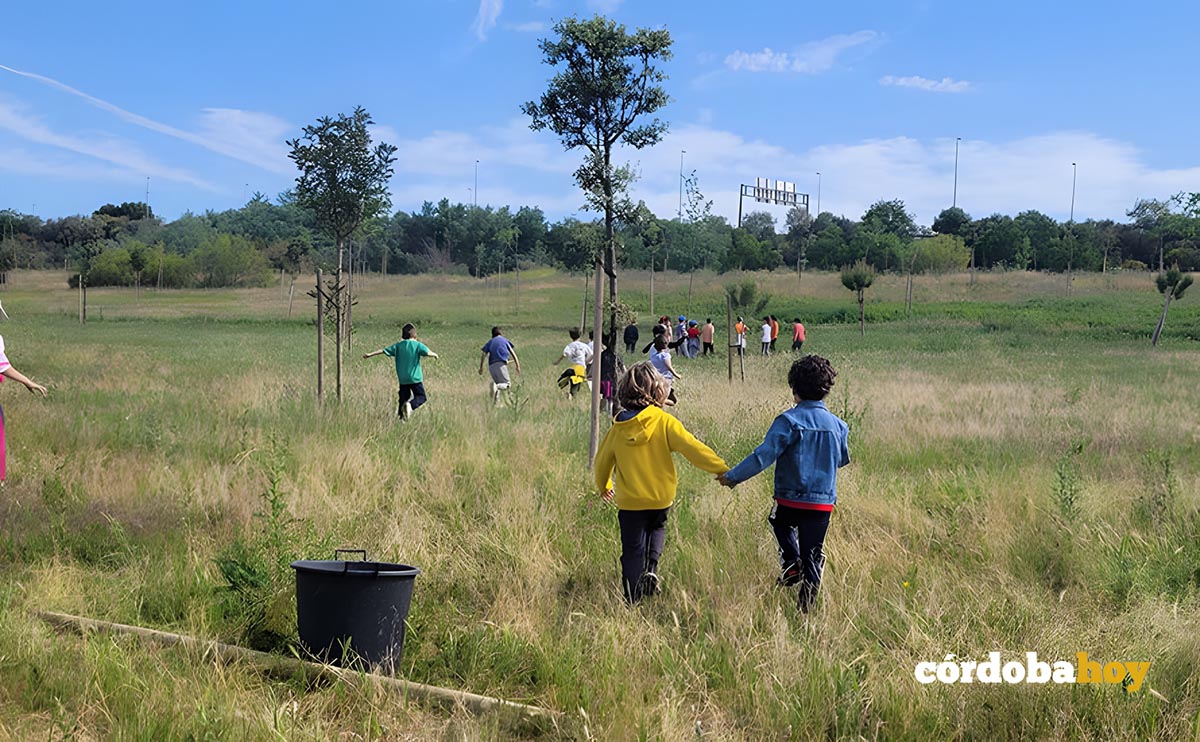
(352, 612)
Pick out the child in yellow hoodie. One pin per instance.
(634, 461)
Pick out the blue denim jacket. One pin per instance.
(807, 444)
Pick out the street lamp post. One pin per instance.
(954, 199)
(818, 194)
(679, 214)
(1074, 172)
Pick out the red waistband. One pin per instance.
(804, 505)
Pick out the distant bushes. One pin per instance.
(223, 261)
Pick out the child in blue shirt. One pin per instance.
(807, 444)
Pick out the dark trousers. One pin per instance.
(631, 347)
(643, 533)
(797, 344)
(708, 348)
(414, 394)
(801, 535)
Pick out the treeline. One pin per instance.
(121, 245)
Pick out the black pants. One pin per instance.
(708, 348)
(801, 535)
(643, 533)
(797, 344)
(414, 394)
(631, 347)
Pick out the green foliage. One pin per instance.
(746, 298)
(1173, 283)
(343, 180)
(858, 277)
(230, 261)
(951, 221)
(942, 253)
(259, 594)
(891, 218)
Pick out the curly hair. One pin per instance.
(811, 377)
(642, 386)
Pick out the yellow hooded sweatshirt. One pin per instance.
(640, 450)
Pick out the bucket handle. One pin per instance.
(363, 552)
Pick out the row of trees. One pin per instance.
(241, 247)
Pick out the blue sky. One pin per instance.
(199, 97)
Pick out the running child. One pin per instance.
(807, 444)
(634, 463)
(408, 354)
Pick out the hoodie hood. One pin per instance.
(634, 430)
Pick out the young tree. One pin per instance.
(343, 181)
(606, 81)
(1172, 285)
(138, 256)
(858, 278)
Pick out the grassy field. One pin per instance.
(1025, 477)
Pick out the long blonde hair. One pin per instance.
(642, 386)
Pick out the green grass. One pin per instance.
(1024, 478)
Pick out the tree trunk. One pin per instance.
(651, 287)
(339, 322)
(137, 287)
(320, 339)
(350, 300)
(1162, 319)
(597, 320)
(583, 316)
(862, 315)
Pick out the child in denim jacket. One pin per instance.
(807, 444)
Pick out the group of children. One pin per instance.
(807, 443)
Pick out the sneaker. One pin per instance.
(649, 585)
(790, 576)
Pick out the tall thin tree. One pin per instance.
(343, 181)
(606, 80)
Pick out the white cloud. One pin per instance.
(1008, 177)
(249, 136)
(485, 20)
(529, 27)
(23, 162)
(811, 58)
(523, 167)
(945, 85)
(604, 6)
(217, 122)
(101, 147)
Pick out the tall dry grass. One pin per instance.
(166, 417)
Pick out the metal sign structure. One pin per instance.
(766, 191)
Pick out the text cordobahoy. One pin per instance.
(1032, 670)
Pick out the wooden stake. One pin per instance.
(531, 718)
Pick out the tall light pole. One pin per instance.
(679, 214)
(818, 194)
(475, 192)
(954, 199)
(1074, 172)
